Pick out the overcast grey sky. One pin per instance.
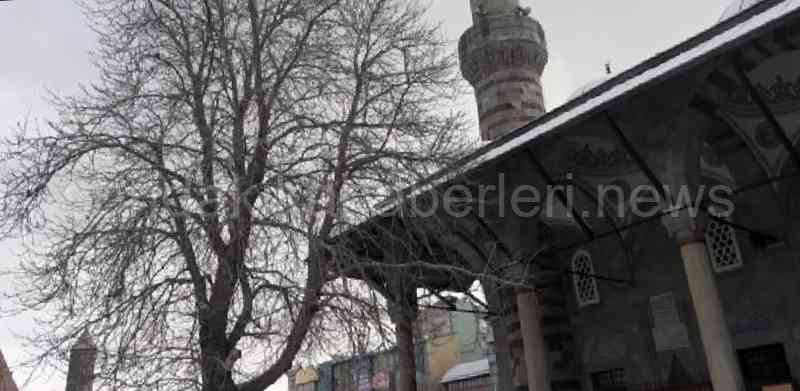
(45, 44)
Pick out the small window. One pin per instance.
(613, 380)
(723, 249)
(586, 290)
(765, 365)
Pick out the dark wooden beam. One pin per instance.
(561, 197)
(637, 157)
(495, 237)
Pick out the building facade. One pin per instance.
(447, 334)
(657, 245)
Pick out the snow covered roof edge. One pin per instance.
(664, 64)
(466, 370)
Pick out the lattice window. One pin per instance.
(613, 380)
(585, 284)
(723, 249)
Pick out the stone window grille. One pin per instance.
(723, 249)
(613, 380)
(586, 290)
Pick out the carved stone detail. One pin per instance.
(502, 43)
(503, 56)
(686, 226)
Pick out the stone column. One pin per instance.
(721, 358)
(536, 363)
(82, 357)
(404, 316)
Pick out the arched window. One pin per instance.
(586, 290)
(723, 249)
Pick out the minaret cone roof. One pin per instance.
(85, 342)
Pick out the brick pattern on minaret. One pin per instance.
(82, 357)
(503, 56)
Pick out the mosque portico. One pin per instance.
(613, 278)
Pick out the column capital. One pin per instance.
(686, 225)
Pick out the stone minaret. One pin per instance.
(80, 376)
(6, 380)
(503, 56)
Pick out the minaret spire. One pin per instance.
(503, 56)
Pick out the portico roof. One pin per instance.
(724, 35)
(719, 41)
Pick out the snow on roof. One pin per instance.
(736, 7)
(589, 86)
(466, 371)
(649, 72)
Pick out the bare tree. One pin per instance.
(183, 207)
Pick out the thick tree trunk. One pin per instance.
(407, 379)
(216, 377)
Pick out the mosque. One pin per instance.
(669, 257)
(621, 282)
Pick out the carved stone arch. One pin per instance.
(713, 169)
(789, 185)
(784, 166)
(726, 97)
(746, 165)
(776, 76)
(469, 246)
(758, 158)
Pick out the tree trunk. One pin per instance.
(216, 377)
(407, 379)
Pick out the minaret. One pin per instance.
(503, 56)
(6, 380)
(80, 376)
